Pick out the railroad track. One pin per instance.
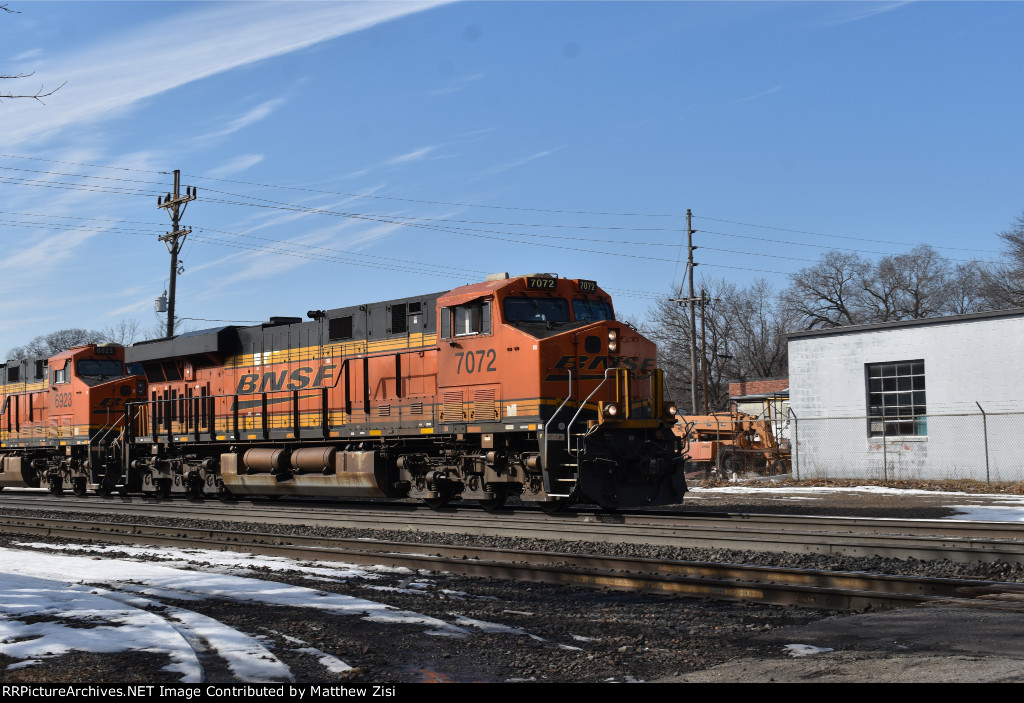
(955, 540)
(782, 586)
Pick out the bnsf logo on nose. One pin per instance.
(602, 362)
(295, 380)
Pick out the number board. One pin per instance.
(587, 286)
(541, 283)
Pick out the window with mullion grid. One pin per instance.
(896, 399)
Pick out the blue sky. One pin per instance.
(351, 152)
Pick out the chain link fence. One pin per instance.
(981, 446)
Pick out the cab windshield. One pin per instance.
(100, 367)
(536, 310)
(592, 310)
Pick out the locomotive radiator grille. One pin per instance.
(484, 407)
(452, 410)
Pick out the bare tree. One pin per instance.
(124, 332)
(761, 324)
(56, 342)
(1003, 283)
(908, 286)
(830, 293)
(846, 289)
(39, 94)
(966, 289)
(743, 332)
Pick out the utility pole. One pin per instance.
(703, 350)
(691, 302)
(175, 239)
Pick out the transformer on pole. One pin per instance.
(175, 239)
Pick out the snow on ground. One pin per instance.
(115, 605)
(804, 650)
(119, 604)
(999, 507)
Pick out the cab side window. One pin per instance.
(465, 320)
(62, 375)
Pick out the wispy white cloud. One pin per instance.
(254, 115)
(235, 165)
(457, 84)
(414, 155)
(519, 162)
(118, 72)
(136, 307)
(30, 54)
(760, 95)
(867, 10)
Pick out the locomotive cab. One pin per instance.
(567, 402)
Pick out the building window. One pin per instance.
(896, 399)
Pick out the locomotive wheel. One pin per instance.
(79, 487)
(553, 507)
(437, 503)
(163, 488)
(495, 503)
(224, 493)
(194, 490)
(444, 496)
(56, 486)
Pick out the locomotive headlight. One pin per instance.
(611, 410)
(613, 340)
(671, 409)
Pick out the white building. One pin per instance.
(939, 398)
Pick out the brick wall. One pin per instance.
(759, 385)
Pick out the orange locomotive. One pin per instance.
(62, 419)
(521, 386)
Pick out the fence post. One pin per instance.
(794, 450)
(984, 425)
(885, 454)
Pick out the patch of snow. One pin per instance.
(804, 650)
(328, 661)
(491, 627)
(121, 608)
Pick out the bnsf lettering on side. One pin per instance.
(285, 380)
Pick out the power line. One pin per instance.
(77, 163)
(832, 236)
(420, 222)
(349, 195)
(126, 191)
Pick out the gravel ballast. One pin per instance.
(567, 634)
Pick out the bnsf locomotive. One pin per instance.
(523, 386)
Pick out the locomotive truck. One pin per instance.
(520, 386)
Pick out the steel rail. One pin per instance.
(770, 585)
(956, 540)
